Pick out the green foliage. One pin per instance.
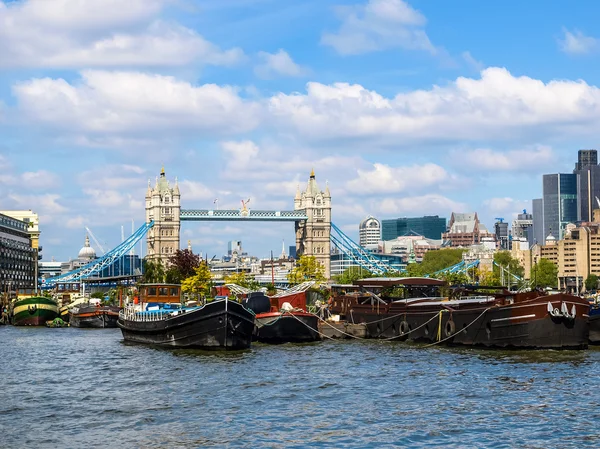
(414, 270)
(455, 278)
(307, 268)
(591, 283)
(154, 271)
(438, 260)
(511, 266)
(99, 295)
(173, 276)
(200, 283)
(352, 274)
(243, 280)
(271, 289)
(544, 274)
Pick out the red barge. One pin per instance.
(283, 319)
(414, 309)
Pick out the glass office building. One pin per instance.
(431, 227)
(560, 203)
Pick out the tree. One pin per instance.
(307, 268)
(352, 274)
(200, 283)
(243, 280)
(544, 274)
(414, 270)
(503, 261)
(154, 271)
(591, 283)
(182, 265)
(97, 295)
(439, 259)
(455, 278)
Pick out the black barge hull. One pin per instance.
(216, 325)
(96, 318)
(288, 327)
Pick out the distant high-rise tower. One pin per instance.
(586, 158)
(522, 227)
(588, 184)
(313, 236)
(369, 231)
(560, 203)
(537, 206)
(163, 206)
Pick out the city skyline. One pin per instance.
(399, 106)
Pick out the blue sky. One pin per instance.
(405, 108)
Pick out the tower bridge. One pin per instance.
(311, 217)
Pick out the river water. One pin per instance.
(75, 388)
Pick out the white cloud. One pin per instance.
(384, 179)
(132, 102)
(379, 25)
(472, 62)
(420, 205)
(498, 105)
(100, 33)
(578, 43)
(536, 158)
(193, 190)
(77, 222)
(46, 204)
(505, 207)
(41, 179)
(113, 177)
(277, 64)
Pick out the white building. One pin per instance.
(369, 231)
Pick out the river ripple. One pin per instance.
(75, 388)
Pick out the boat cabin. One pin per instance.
(383, 291)
(65, 292)
(160, 293)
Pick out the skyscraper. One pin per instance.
(522, 227)
(587, 171)
(560, 203)
(537, 206)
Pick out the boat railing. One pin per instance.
(151, 315)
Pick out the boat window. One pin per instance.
(151, 291)
(174, 291)
(162, 291)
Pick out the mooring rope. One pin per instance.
(435, 315)
(458, 332)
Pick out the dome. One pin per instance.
(87, 252)
(369, 222)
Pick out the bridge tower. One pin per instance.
(313, 235)
(163, 206)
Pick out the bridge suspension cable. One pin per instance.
(357, 253)
(95, 266)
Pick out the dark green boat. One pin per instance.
(34, 311)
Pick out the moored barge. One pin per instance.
(94, 316)
(34, 311)
(220, 324)
(413, 309)
(283, 319)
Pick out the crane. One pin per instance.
(89, 231)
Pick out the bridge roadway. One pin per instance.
(242, 215)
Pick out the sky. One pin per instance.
(404, 108)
